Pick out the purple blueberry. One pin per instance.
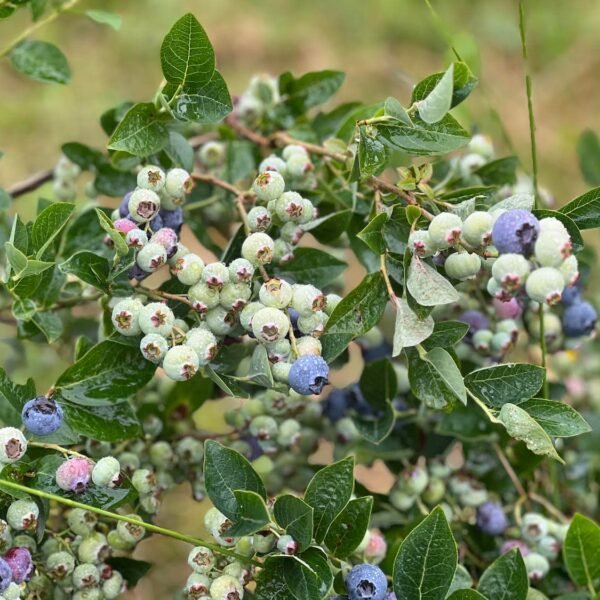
(74, 474)
(309, 374)
(515, 231)
(137, 273)
(476, 321)
(20, 563)
(579, 319)
(5, 575)
(124, 206)
(172, 218)
(156, 223)
(42, 416)
(336, 405)
(571, 295)
(491, 518)
(366, 582)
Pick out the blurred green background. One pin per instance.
(385, 46)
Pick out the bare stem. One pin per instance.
(510, 471)
(57, 448)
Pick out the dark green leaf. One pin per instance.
(506, 578)
(437, 102)
(40, 61)
(296, 517)
(372, 153)
(466, 594)
(311, 265)
(37, 8)
(260, 367)
(107, 225)
(584, 210)
(13, 396)
(378, 382)
(180, 151)
(112, 182)
(49, 224)
(228, 384)
(556, 418)
(501, 171)
(397, 230)
(89, 267)
(372, 234)
(252, 515)
(581, 550)
(105, 18)
(311, 89)
(82, 155)
(131, 569)
(85, 232)
(348, 529)
(464, 82)
(330, 227)
(588, 150)
(446, 334)
(50, 324)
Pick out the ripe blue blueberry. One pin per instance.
(515, 231)
(571, 295)
(5, 575)
(579, 319)
(309, 374)
(366, 582)
(172, 218)
(42, 416)
(491, 518)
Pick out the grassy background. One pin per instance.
(385, 46)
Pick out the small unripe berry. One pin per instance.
(81, 522)
(234, 296)
(212, 154)
(462, 265)
(151, 178)
(276, 293)
(312, 324)
(413, 480)
(107, 472)
(126, 226)
(136, 238)
(151, 257)
(154, 347)
(420, 243)
(290, 207)
(258, 249)
(247, 314)
(569, 269)
(204, 344)
(482, 340)
(272, 163)
(241, 271)
(13, 445)
(113, 586)
(281, 371)
(156, 317)
(270, 325)
(181, 363)
(259, 218)
(178, 183)
(552, 248)
(60, 565)
(268, 186)
(292, 149)
(533, 527)
(263, 542)
(331, 301)
(42, 416)
(74, 474)
(143, 481)
(287, 545)
(215, 275)
(93, 549)
(190, 450)
(143, 205)
(309, 375)
(197, 586)
(444, 230)
(86, 575)
(298, 165)
(307, 299)
(226, 587)
(289, 433)
(308, 345)
(510, 271)
(291, 233)
(201, 560)
(545, 285)
(282, 252)
(162, 458)
(501, 342)
(537, 566)
(218, 524)
(23, 515)
(132, 533)
(125, 317)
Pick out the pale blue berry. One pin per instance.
(309, 375)
(366, 582)
(515, 231)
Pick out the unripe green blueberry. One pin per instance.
(401, 500)
(298, 165)
(178, 183)
(107, 472)
(64, 189)
(331, 301)
(313, 324)
(445, 230)
(143, 205)
(93, 549)
(286, 544)
(190, 450)
(477, 228)
(308, 345)
(435, 491)
(248, 313)
(273, 163)
(113, 586)
(226, 587)
(86, 575)
(154, 347)
(92, 593)
(307, 299)
(204, 344)
(263, 465)
(201, 560)
(218, 524)
(131, 532)
(289, 433)
(282, 252)
(275, 293)
(234, 296)
(290, 207)
(553, 225)
(156, 317)
(346, 430)
(549, 547)
(552, 248)
(22, 515)
(475, 496)
(263, 541)
(281, 371)
(279, 351)
(144, 481)
(151, 178)
(13, 445)
(510, 271)
(5, 536)
(290, 233)
(501, 342)
(309, 212)
(292, 149)
(136, 238)
(402, 378)
(180, 252)
(462, 265)
(545, 285)
(569, 269)
(533, 527)
(60, 565)
(125, 317)
(259, 218)
(420, 243)
(469, 163)
(221, 321)
(268, 186)
(161, 455)
(204, 297)
(482, 144)
(537, 566)
(263, 427)
(188, 268)
(482, 340)
(241, 271)
(413, 480)
(258, 249)
(66, 169)
(215, 275)
(181, 363)
(212, 154)
(508, 326)
(270, 325)
(151, 257)
(81, 521)
(197, 586)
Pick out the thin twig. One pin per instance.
(57, 448)
(549, 507)
(31, 183)
(510, 471)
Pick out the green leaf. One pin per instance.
(581, 550)
(186, 54)
(466, 594)
(463, 84)
(311, 265)
(424, 139)
(84, 156)
(446, 334)
(37, 8)
(330, 227)
(397, 230)
(348, 529)
(328, 493)
(358, 312)
(226, 471)
(180, 151)
(252, 515)
(427, 286)
(131, 569)
(462, 580)
(260, 367)
(88, 267)
(501, 171)
(584, 210)
(372, 153)
(40, 61)
(311, 89)
(520, 200)
(435, 379)
(109, 371)
(24, 309)
(105, 17)
(573, 230)
(393, 108)
(49, 224)
(209, 103)
(296, 517)
(438, 102)
(226, 383)
(510, 382)
(50, 324)
(521, 426)
(142, 132)
(409, 330)
(16, 259)
(13, 396)
(112, 182)
(588, 150)
(119, 241)
(5, 200)
(506, 578)
(556, 418)
(372, 235)
(426, 560)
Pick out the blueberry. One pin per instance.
(42, 416)
(515, 231)
(382, 351)
(124, 206)
(19, 561)
(5, 575)
(156, 223)
(74, 474)
(308, 375)
(137, 273)
(579, 319)
(336, 405)
(491, 518)
(366, 582)
(172, 218)
(571, 295)
(476, 321)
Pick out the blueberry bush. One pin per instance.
(469, 340)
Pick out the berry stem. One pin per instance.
(134, 521)
(510, 471)
(386, 278)
(543, 347)
(57, 448)
(489, 414)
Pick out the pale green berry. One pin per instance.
(201, 560)
(482, 340)
(22, 515)
(25, 541)
(86, 575)
(259, 218)
(552, 248)
(188, 268)
(226, 587)
(268, 186)
(156, 317)
(282, 252)
(178, 183)
(279, 351)
(151, 178)
(129, 462)
(66, 169)
(154, 347)
(270, 325)
(113, 586)
(131, 532)
(413, 480)
(289, 207)
(469, 163)
(298, 165)
(60, 565)
(64, 189)
(501, 342)
(533, 527)
(445, 230)
(143, 481)
(258, 248)
(136, 238)
(181, 363)
(81, 521)
(93, 593)
(93, 549)
(212, 154)
(264, 542)
(312, 324)
(215, 275)
(241, 271)
(401, 500)
(13, 591)
(569, 269)
(281, 371)
(420, 243)
(510, 271)
(554, 225)
(248, 313)
(292, 149)
(537, 566)
(218, 524)
(495, 290)
(291, 233)
(221, 321)
(477, 228)
(482, 144)
(197, 587)
(435, 492)
(275, 293)
(402, 378)
(289, 433)
(263, 427)
(190, 450)
(204, 344)
(143, 205)
(549, 547)
(13, 445)
(307, 299)
(462, 265)
(179, 253)
(107, 472)
(346, 430)
(331, 301)
(308, 345)
(308, 212)
(150, 503)
(161, 455)
(204, 297)
(475, 496)
(125, 317)
(272, 163)
(545, 285)
(234, 296)
(5, 536)
(151, 257)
